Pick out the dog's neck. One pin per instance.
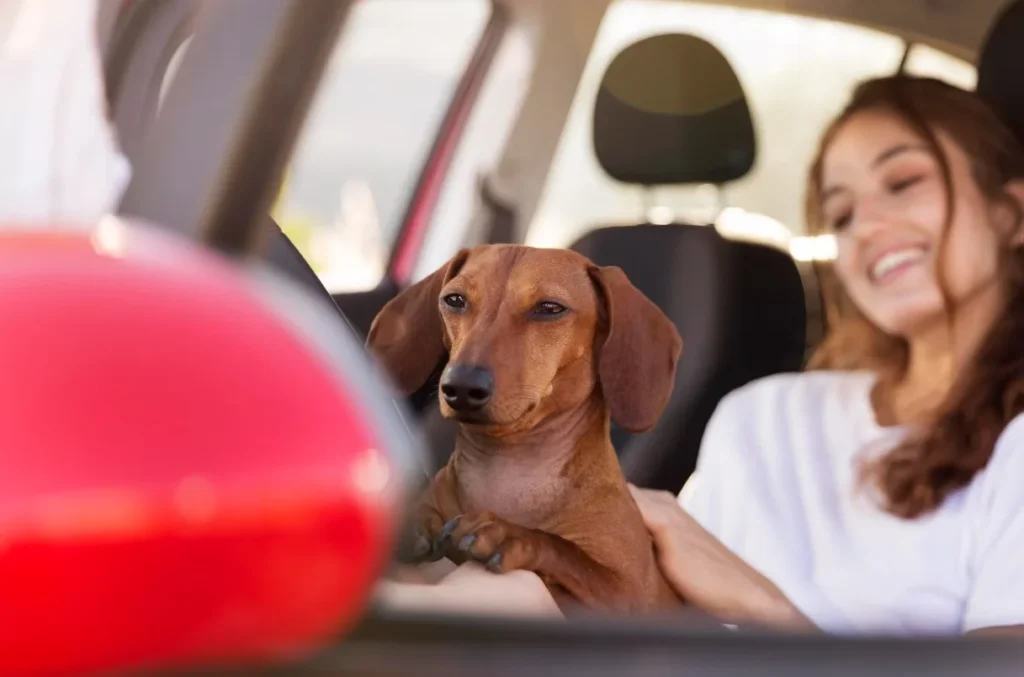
(527, 477)
(553, 442)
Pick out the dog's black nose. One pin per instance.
(467, 387)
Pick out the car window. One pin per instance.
(370, 130)
(797, 73)
(930, 62)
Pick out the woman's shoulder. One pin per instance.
(823, 410)
(799, 389)
(1009, 450)
(995, 492)
(1013, 433)
(767, 435)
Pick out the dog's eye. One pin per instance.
(548, 310)
(455, 301)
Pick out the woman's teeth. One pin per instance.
(895, 260)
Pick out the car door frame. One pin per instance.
(142, 42)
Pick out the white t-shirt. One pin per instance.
(61, 164)
(777, 483)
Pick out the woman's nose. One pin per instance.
(869, 218)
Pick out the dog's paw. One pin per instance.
(499, 545)
(416, 547)
(418, 543)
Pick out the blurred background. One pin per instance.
(356, 165)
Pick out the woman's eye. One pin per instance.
(548, 309)
(455, 301)
(903, 184)
(841, 221)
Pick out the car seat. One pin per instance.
(1001, 66)
(671, 112)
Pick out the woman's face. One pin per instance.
(883, 196)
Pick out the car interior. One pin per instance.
(639, 143)
(667, 113)
(658, 123)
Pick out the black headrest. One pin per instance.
(740, 309)
(671, 110)
(1001, 66)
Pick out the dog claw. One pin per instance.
(467, 542)
(494, 563)
(448, 529)
(446, 532)
(421, 546)
(416, 548)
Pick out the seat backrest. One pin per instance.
(671, 111)
(1001, 66)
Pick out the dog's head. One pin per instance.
(530, 333)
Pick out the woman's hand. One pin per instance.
(471, 589)
(707, 574)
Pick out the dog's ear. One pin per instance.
(407, 335)
(639, 354)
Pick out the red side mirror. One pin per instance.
(184, 476)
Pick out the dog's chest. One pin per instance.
(525, 496)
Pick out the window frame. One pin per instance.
(416, 219)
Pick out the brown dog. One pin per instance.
(544, 348)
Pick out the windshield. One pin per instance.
(796, 72)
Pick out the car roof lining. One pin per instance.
(955, 26)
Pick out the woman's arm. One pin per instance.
(995, 606)
(471, 589)
(694, 543)
(706, 573)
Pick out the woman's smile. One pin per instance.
(889, 265)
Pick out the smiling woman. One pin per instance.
(953, 178)
(877, 494)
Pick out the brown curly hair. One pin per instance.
(935, 460)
